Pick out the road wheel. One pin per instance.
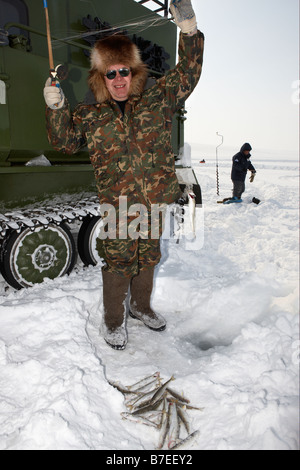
(87, 240)
(28, 257)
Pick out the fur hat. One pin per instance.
(117, 49)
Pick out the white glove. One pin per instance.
(184, 15)
(54, 96)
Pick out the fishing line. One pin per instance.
(135, 26)
(134, 23)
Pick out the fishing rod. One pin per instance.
(217, 163)
(50, 53)
(60, 71)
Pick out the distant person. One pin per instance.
(240, 165)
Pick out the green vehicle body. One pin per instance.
(24, 68)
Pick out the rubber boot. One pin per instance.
(234, 199)
(115, 290)
(141, 289)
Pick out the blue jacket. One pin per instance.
(241, 164)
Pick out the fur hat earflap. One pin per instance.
(116, 49)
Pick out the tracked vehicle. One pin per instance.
(49, 210)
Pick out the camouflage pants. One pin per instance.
(138, 250)
(128, 257)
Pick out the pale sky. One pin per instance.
(249, 88)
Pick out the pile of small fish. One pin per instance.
(154, 403)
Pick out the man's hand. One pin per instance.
(54, 96)
(252, 177)
(184, 15)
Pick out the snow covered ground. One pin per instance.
(232, 341)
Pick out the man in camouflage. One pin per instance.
(127, 130)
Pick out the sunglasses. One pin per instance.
(111, 74)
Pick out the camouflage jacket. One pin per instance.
(132, 154)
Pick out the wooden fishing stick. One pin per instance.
(51, 61)
(54, 81)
